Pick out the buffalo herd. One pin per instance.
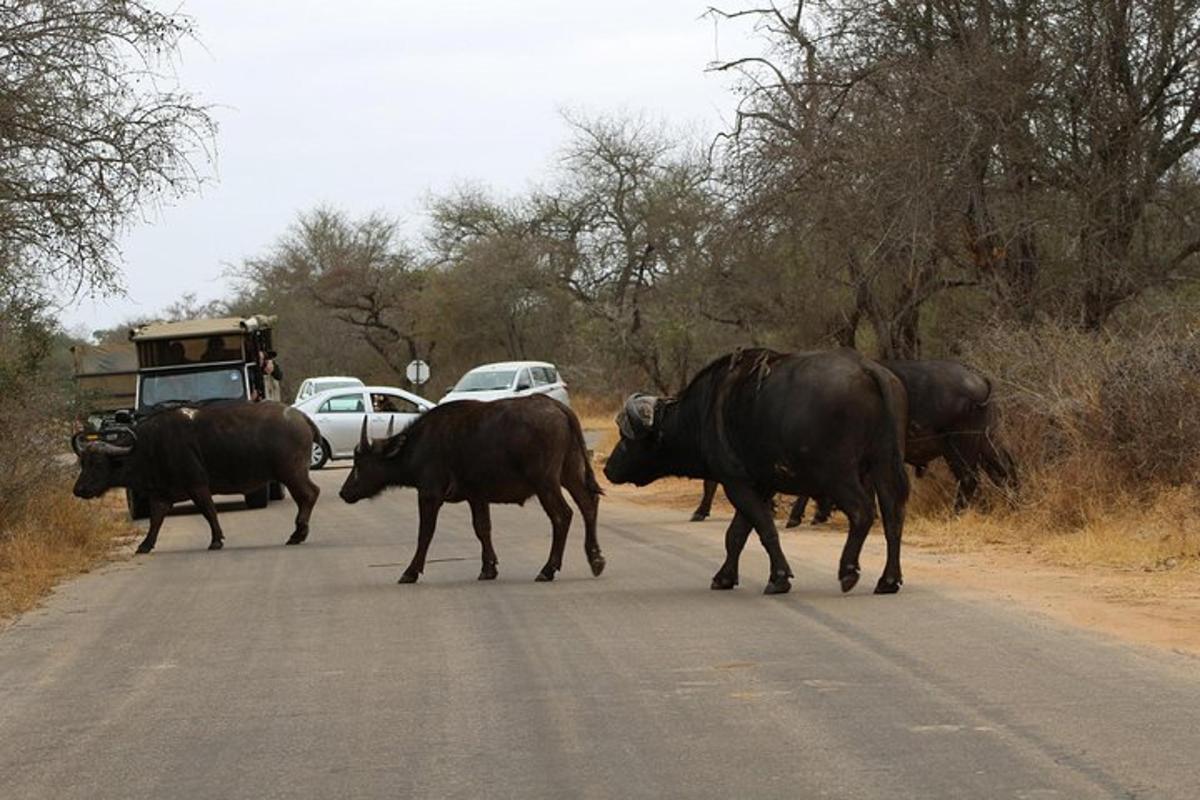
(832, 425)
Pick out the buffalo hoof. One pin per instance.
(722, 583)
(217, 545)
(544, 577)
(699, 516)
(848, 578)
(408, 577)
(597, 563)
(488, 573)
(888, 585)
(295, 539)
(793, 523)
(778, 586)
(144, 547)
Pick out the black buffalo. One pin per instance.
(194, 452)
(761, 422)
(951, 415)
(500, 452)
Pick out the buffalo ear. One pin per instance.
(637, 417)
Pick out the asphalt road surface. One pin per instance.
(267, 671)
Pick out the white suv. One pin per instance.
(510, 379)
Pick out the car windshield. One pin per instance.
(486, 380)
(192, 386)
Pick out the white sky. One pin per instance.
(372, 105)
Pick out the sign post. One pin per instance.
(417, 372)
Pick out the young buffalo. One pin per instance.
(504, 451)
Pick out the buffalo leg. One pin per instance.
(428, 508)
(758, 509)
(560, 515)
(735, 540)
(589, 505)
(796, 516)
(892, 491)
(706, 500)
(202, 497)
(859, 508)
(305, 493)
(824, 509)
(999, 465)
(966, 473)
(158, 512)
(481, 520)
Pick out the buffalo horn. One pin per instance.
(636, 419)
(104, 448)
(125, 430)
(362, 439)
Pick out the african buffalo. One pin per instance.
(951, 415)
(193, 452)
(504, 451)
(761, 422)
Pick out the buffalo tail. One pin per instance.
(896, 420)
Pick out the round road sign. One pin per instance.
(417, 372)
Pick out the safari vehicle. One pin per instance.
(196, 361)
(105, 383)
(201, 359)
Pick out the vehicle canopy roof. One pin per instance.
(196, 328)
(104, 359)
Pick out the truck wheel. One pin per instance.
(139, 506)
(276, 490)
(320, 454)
(258, 498)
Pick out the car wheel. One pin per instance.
(139, 505)
(320, 454)
(259, 498)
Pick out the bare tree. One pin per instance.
(91, 131)
(957, 139)
(360, 273)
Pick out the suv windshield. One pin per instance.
(222, 383)
(485, 381)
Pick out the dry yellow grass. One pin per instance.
(56, 536)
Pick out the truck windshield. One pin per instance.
(193, 385)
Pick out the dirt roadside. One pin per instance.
(1160, 608)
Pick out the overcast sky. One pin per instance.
(374, 104)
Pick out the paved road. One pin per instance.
(263, 671)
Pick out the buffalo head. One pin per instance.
(370, 474)
(101, 467)
(636, 458)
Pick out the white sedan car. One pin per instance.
(510, 379)
(339, 415)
